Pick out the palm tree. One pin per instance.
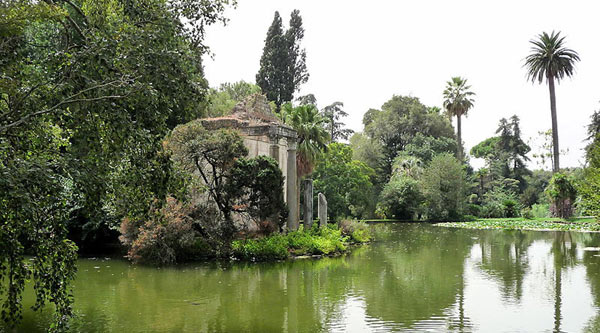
(312, 134)
(312, 138)
(550, 60)
(457, 102)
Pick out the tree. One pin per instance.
(297, 72)
(333, 113)
(345, 182)
(401, 197)
(562, 192)
(549, 60)
(589, 188)
(370, 152)
(399, 122)
(222, 100)
(88, 90)
(593, 131)
(457, 102)
(307, 99)
(444, 187)
(283, 62)
(312, 138)
(234, 183)
(312, 135)
(505, 154)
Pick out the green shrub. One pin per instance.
(511, 207)
(273, 247)
(357, 231)
(443, 185)
(526, 213)
(401, 198)
(302, 242)
(500, 202)
(562, 193)
(540, 210)
(474, 210)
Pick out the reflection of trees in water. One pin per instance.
(417, 277)
(504, 258)
(403, 282)
(591, 261)
(564, 253)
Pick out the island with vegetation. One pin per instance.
(113, 143)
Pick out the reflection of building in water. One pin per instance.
(264, 135)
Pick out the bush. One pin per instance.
(401, 198)
(273, 247)
(357, 231)
(444, 187)
(345, 182)
(511, 207)
(540, 210)
(167, 237)
(526, 213)
(499, 203)
(474, 210)
(562, 193)
(302, 242)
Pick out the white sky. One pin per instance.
(363, 52)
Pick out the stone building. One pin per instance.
(265, 134)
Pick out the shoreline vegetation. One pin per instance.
(328, 241)
(580, 224)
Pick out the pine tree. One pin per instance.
(333, 113)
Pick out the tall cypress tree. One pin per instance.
(283, 62)
(297, 72)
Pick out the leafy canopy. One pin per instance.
(345, 182)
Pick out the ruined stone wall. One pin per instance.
(264, 146)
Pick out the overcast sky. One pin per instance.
(363, 52)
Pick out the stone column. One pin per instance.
(274, 148)
(308, 203)
(292, 222)
(322, 210)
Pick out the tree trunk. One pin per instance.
(459, 138)
(556, 151)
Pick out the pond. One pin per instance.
(422, 278)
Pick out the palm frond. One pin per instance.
(549, 58)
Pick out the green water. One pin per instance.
(423, 278)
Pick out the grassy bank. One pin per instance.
(584, 224)
(316, 241)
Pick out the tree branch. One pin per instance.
(69, 100)
(78, 10)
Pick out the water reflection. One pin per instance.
(422, 278)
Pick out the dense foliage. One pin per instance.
(399, 121)
(88, 90)
(443, 183)
(222, 100)
(589, 188)
(345, 182)
(562, 192)
(315, 241)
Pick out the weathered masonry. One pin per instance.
(265, 134)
